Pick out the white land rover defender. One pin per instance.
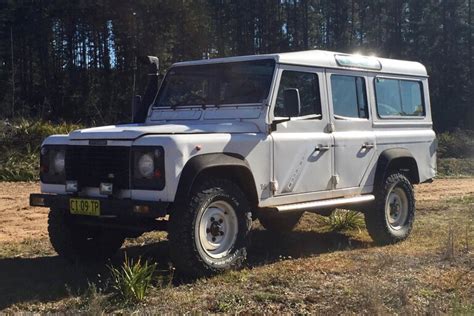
(227, 141)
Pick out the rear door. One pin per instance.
(354, 139)
(302, 147)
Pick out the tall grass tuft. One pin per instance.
(132, 279)
(343, 220)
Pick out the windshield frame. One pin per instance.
(265, 100)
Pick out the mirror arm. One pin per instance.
(273, 125)
(136, 104)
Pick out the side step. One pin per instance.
(307, 206)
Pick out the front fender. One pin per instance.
(198, 164)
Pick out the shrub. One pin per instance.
(457, 144)
(452, 167)
(19, 147)
(19, 165)
(132, 279)
(16, 133)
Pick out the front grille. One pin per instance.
(91, 165)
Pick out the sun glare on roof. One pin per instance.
(357, 61)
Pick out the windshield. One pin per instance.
(216, 84)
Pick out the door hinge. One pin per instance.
(330, 128)
(335, 180)
(274, 186)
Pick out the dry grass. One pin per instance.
(306, 271)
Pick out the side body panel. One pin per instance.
(415, 134)
(354, 140)
(302, 148)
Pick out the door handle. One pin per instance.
(367, 146)
(322, 148)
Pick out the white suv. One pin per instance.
(227, 141)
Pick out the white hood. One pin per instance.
(133, 131)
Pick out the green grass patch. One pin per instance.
(228, 302)
(264, 297)
(464, 200)
(26, 248)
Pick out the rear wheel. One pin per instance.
(80, 242)
(392, 217)
(208, 233)
(279, 222)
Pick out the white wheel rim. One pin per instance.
(396, 208)
(217, 229)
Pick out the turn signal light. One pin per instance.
(37, 201)
(157, 173)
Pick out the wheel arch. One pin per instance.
(232, 166)
(397, 159)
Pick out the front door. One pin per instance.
(302, 147)
(354, 139)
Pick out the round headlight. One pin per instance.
(146, 165)
(59, 161)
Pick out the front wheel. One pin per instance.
(74, 242)
(208, 233)
(392, 217)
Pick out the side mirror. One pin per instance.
(140, 105)
(291, 101)
(152, 62)
(136, 105)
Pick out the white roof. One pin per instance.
(324, 59)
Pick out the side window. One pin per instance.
(308, 86)
(349, 96)
(412, 100)
(399, 97)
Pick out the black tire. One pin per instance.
(75, 242)
(383, 224)
(279, 222)
(187, 250)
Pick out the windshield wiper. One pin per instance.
(202, 105)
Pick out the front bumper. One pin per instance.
(109, 207)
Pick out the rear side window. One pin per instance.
(399, 98)
(349, 96)
(308, 86)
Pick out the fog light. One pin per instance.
(106, 188)
(142, 209)
(71, 186)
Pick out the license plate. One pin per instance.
(84, 207)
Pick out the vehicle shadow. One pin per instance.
(50, 278)
(267, 247)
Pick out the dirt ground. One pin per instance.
(19, 221)
(307, 271)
